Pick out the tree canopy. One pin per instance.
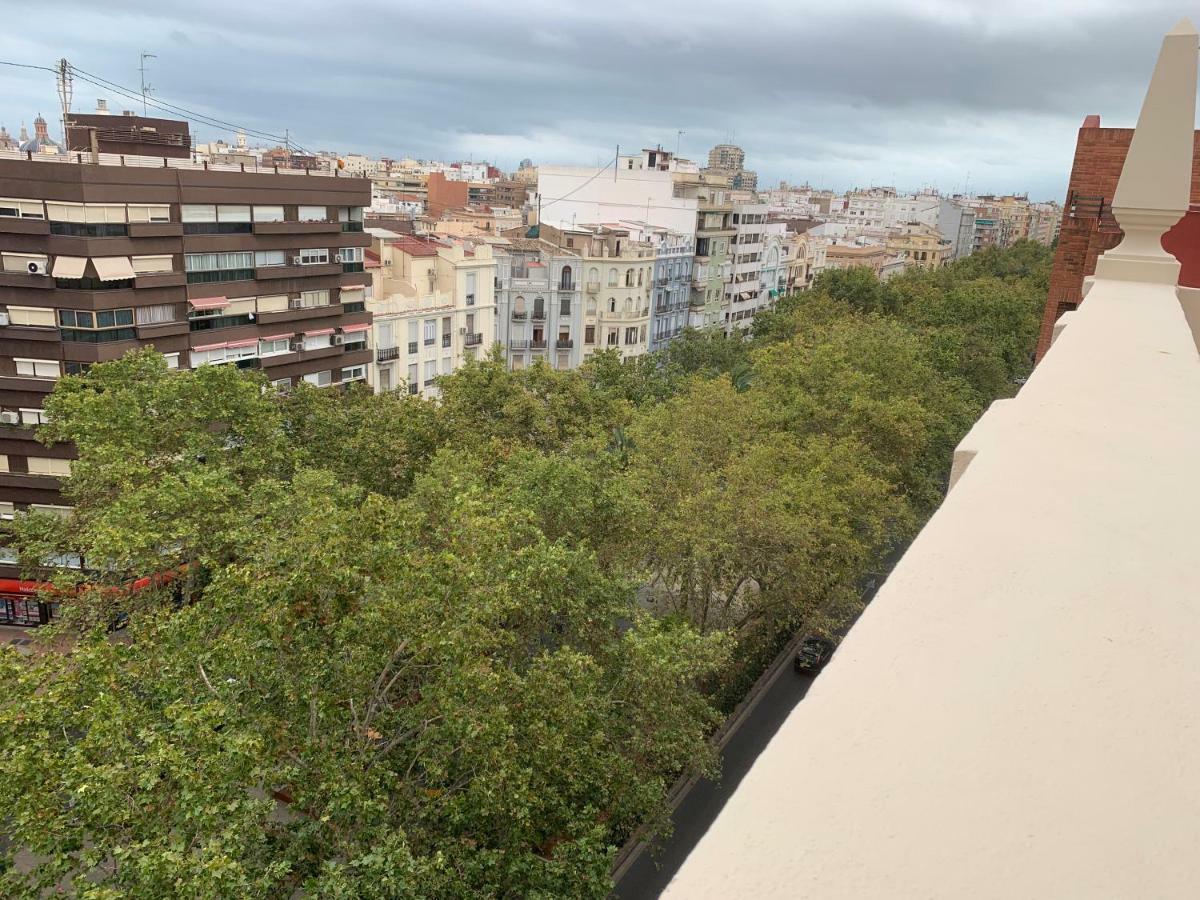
(462, 647)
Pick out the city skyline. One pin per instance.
(449, 83)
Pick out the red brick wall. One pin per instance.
(443, 194)
(1099, 156)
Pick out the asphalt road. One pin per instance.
(650, 873)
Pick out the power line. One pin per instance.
(203, 118)
(599, 172)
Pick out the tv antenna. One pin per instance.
(66, 90)
(146, 88)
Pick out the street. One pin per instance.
(652, 870)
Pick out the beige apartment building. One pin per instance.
(618, 279)
(434, 306)
(920, 246)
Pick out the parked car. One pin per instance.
(814, 652)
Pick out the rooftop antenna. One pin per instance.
(678, 135)
(65, 92)
(145, 87)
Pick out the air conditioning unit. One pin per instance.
(297, 260)
(250, 316)
(9, 418)
(296, 303)
(462, 331)
(338, 339)
(4, 320)
(296, 345)
(36, 268)
(337, 258)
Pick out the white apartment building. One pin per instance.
(434, 305)
(744, 293)
(674, 258)
(638, 188)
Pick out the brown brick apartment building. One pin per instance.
(257, 270)
(1089, 229)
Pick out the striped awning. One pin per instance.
(248, 342)
(220, 346)
(318, 332)
(208, 302)
(276, 337)
(350, 328)
(69, 266)
(113, 268)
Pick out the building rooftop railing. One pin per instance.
(161, 162)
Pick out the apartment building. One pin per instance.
(920, 246)
(715, 231)
(744, 293)
(674, 256)
(540, 300)
(260, 271)
(433, 303)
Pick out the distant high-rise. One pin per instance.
(728, 157)
(729, 160)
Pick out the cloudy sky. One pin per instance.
(949, 93)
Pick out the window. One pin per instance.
(519, 306)
(589, 334)
(7, 509)
(642, 334)
(152, 265)
(193, 213)
(355, 340)
(216, 355)
(591, 306)
(264, 258)
(22, 209)
(38, 368)
(630, 336)
(351, 254)
(641, 272)
(158, 212)
(45, 465)
(317, 341)
(203, 268)
(77, 368)
(172, 360)
(447, 365)
(31, 315)
(314, 298)
(268, 214)
(470, 289)
(385, 332)
(564, 305)
(274, 303)
(594, 275)
(430, 372)
(348, 295)
(157, 314)
(385, 379)
(314, 257)
(413, 376)
(629, 278)
(429, 334)
(96, 328)
(56, 510)
(282, 384)
(312, 214)
(274, 345)
(614, 336)
(354, 373)
(612, 277)
(612, 304)
(320, 379)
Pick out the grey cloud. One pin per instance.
(919, 94)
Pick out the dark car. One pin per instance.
(814, 652)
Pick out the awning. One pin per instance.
(208, 302)
(113, 268)
(318, 332)
(248, 342)
(350, 328)
(354, 287)
(276, 337)
(221, 346)
(69, 266)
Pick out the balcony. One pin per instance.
(473, 339)
(387, 354)
(569, 288)
(564, 344)
(519, 316)
(519, 344)
(445, 340)
(538, 316)
(352, 226)
(537, 345)
(593, 287)
(1047, 615)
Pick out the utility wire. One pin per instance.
(131, 94)
(581, 187)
